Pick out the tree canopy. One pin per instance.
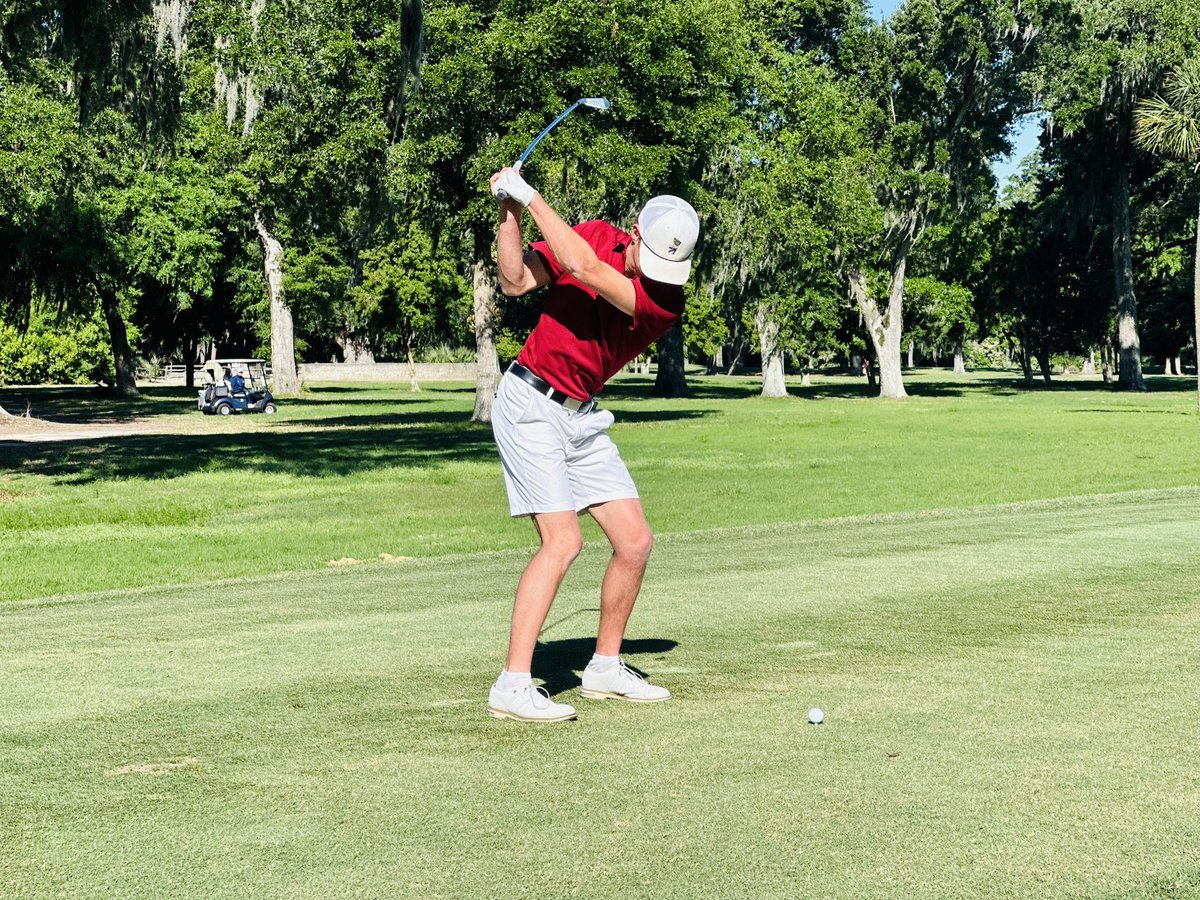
(308, 178)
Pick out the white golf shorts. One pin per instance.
(554, 459)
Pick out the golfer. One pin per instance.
(611, 296)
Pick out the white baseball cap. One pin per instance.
(669, 228)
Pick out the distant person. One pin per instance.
(237, 384)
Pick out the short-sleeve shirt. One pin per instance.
(581, 340)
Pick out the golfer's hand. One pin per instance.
(509, 183)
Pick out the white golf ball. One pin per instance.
(816, 716)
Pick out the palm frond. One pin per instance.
(1170, 123)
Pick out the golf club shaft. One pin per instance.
(545, 131)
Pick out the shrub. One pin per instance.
(444, 353)
(986, 354)
(65, 353)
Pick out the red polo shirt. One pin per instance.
(582, 340)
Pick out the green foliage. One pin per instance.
(137, 139)
(937, 313)
(785, 198)
(988, 353)
(446, 353)
(497, 73)
(509, 344)
(1170, 124)
(69, 352)
(411, 291)
(704, 329)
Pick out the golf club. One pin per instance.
(589, 102)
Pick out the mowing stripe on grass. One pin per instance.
(1011, 696)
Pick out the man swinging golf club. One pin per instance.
(611, 296)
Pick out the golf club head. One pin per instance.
(595, 102)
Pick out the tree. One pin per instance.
(498, 71)
(1105, 57)
(102, 60)
(317, 89)
(183, 217)
(947, 77)
(942, 314)
(1170, 124)
(409, 285)
(1042, 280)
(794, 172)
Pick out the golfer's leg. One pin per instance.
(561, 543)
(624, 523)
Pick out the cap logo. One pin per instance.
(675, 246)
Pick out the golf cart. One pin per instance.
(235, 386)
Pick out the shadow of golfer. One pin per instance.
(556, 662)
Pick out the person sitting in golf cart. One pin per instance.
(237, 384)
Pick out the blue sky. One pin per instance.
(1025, 139)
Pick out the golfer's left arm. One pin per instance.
(572, 252)
(576, 256)
(520, 272)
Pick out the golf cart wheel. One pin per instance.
(270, 409)
(225, 409)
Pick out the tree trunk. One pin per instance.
(671, 380)
(123, 363)
(1089, 362)
(911, 346)
(413, 384)
(735, 358)
(1196, 305)
(772, 354)
(1106, 360)
(356, 348)
(1043, 358)
(960, 366)
(487, 363)
(1130, 372)
(1026, 359)
(189, 362)
(285, 378)
(886, 328)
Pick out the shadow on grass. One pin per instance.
(85, 406)
(326, 448)
(556, 662)
(334, 446)
(81, 406)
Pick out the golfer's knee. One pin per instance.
(563, 548)
(635, 548)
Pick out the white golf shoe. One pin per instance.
(527, 703)
(621, 683)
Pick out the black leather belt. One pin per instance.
(547, 389)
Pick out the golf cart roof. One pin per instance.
(221, 361)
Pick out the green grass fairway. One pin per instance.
(1007, 658)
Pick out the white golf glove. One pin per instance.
(511, 184)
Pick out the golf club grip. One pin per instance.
(503, 194)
